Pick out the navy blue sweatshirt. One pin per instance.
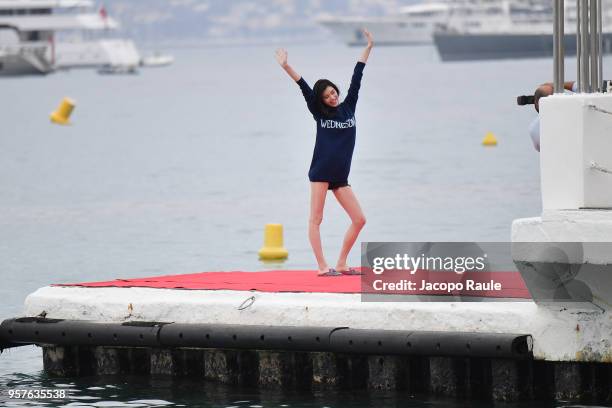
(333, 152)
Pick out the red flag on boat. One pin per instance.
(104, 15)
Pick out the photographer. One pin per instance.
(541, 92)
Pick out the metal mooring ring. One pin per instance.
(248, 302)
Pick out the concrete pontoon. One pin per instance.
(516, 348)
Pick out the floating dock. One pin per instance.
(294, 329)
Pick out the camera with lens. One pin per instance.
(525, 100)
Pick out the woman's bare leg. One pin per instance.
(348, 201)
(318, 192)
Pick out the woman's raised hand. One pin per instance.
(368, 35)
(281, 57)
(366, 51)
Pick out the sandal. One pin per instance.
(351, 271)
(330, 272)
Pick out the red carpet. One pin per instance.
(308, 281)
(269, 281)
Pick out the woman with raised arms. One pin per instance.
(331, 159)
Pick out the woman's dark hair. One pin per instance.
(319, 87)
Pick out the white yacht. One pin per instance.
(40, 36)
(411, 25)
(497, 29)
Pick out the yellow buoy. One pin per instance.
(273, 243)
(489, 140)
(62, 115)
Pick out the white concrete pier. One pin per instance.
(559, 333)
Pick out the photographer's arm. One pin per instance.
(569, 85)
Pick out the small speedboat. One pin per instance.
(157, 60)
(118, 70)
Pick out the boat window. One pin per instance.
(495, 10)
(1, 66)
(6, 12)
(418, 24)
(423, 14)
(40, 11)
(34, 36)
